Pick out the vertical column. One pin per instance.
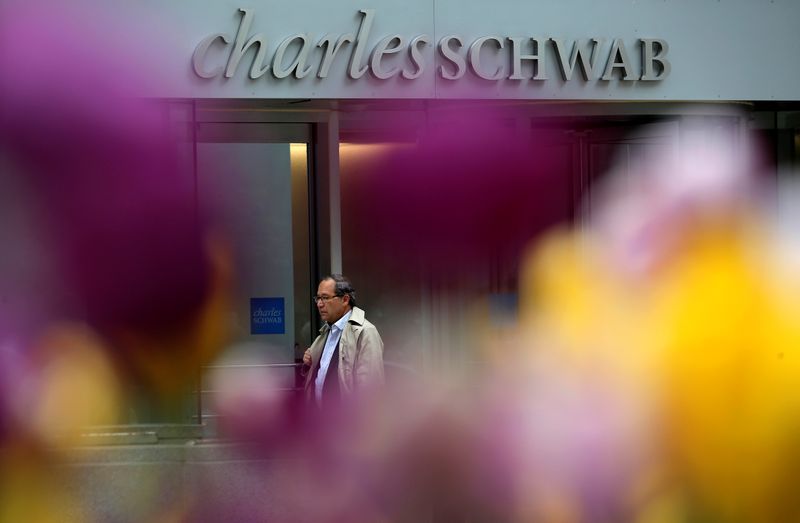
(327, 205)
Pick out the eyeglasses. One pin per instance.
(325, 299)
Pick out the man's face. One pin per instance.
(330, 310)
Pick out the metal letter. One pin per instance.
(382, 48)
(538, 59)
(649, 56)
(330, 51)
(618, 49)
(356, 71)
(200, 53)
(578, 55)
(455, 58)
(240, 48)
(416, 56)
(299, 63)
(475, 57)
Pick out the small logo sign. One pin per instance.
(267, 316)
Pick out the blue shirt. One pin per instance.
(334, 335)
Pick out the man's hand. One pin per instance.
(307, 357)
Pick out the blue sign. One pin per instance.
(267, 316)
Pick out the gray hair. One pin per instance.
(342, 287)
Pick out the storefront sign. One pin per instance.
(491, 58)
(267, 316)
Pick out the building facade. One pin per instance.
(421, 148)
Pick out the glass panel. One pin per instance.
(384, 272)
(253, 193)
(433, 235)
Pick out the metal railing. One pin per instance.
(200, 417)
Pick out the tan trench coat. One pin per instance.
(360, 356)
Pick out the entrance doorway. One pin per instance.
(258, 178)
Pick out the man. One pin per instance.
(347, 356)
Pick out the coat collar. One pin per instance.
(357, 317)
